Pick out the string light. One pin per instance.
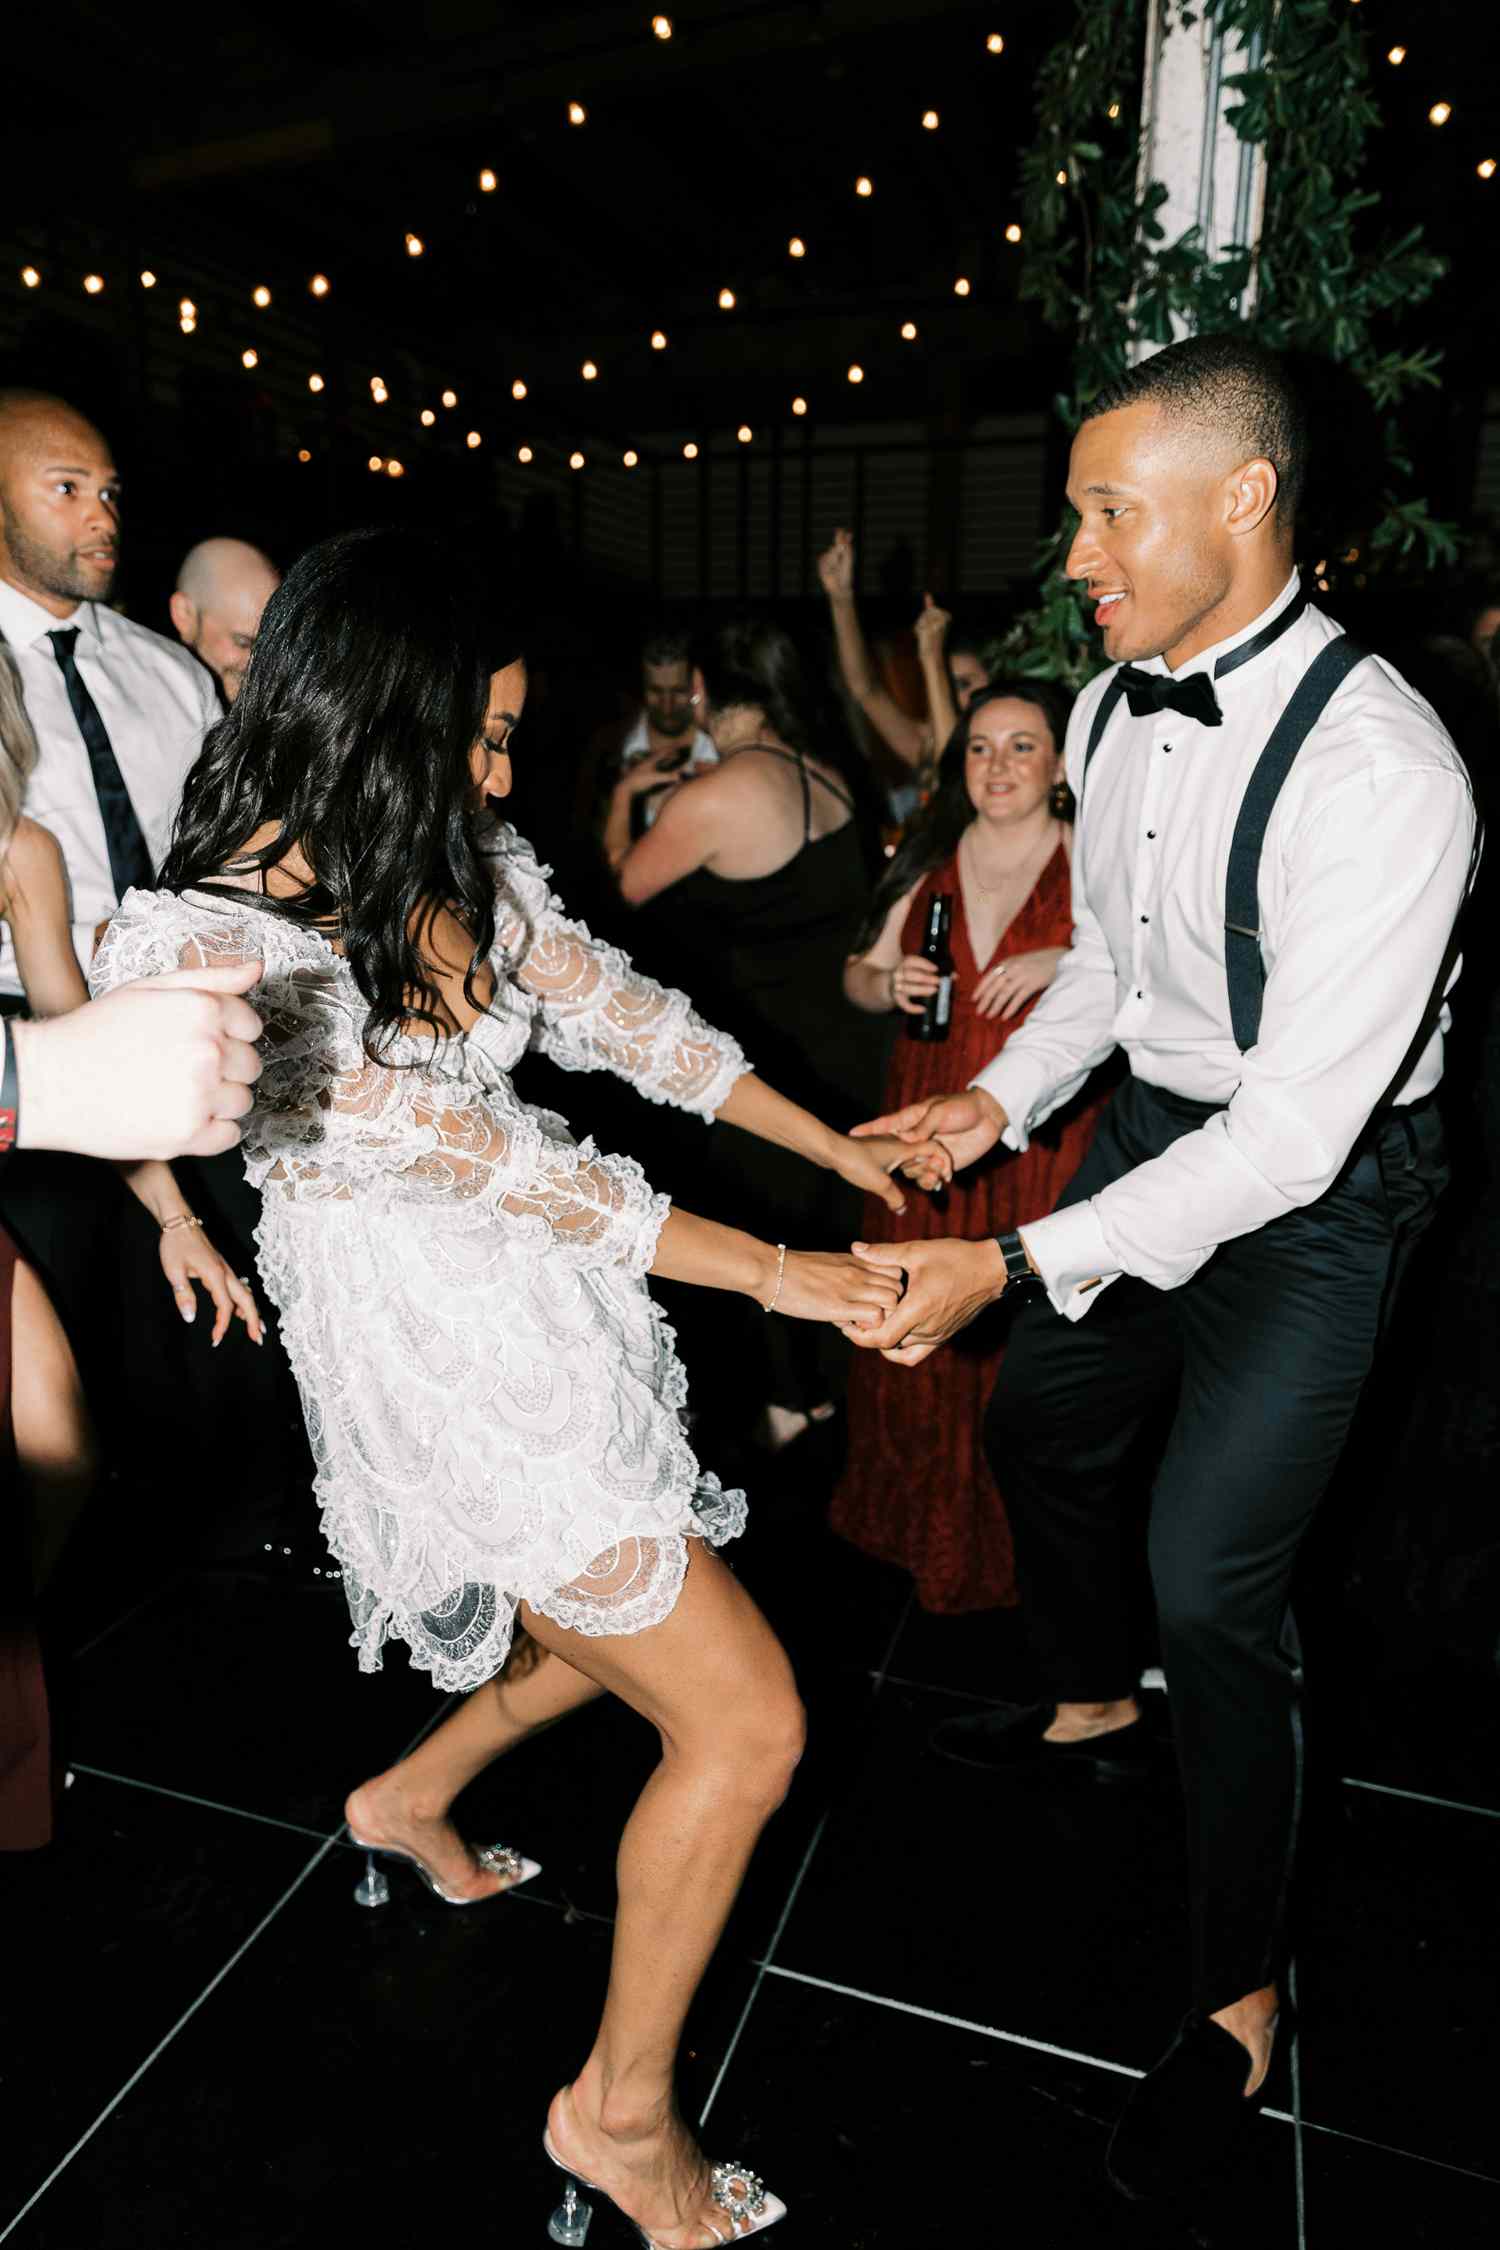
(1440, 113)
(376, 464)
(796, 248)
(518, 388)
(629, 460)
(315, 382)
(799, 406)
(415, 246)
(995, 43)
(1012, 232)
(908, 331)
(690, 451)
(320, 285)
(378, 390)
(261, 296)
(303, 454)
(487, 182)
(577, 114)
(929, 120)
(428, 417)
(249, 359)
(394, 469)
(658, 340)
(450, 398)
(1062, 179)
(1397, 55)
(961, 287)
(588, 371)
(473, 440)
(744, 433)
(1113, 111)
(187, 309)
(31, 277)
(575, 460)
(864, 185)
(726, 300)
(856, 373)
(524, 455)
(1486, 168)
(148, 279)
(662, 26)
(93, 283)
(187, 323)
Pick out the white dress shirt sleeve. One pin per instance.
(1376, 875)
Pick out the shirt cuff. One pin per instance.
(1070, 1253)
(1018, 1089)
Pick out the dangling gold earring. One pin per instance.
(1060, 803)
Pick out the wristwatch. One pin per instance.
(1020, 1280)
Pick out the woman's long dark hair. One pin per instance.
(366, 693)
(935, 837)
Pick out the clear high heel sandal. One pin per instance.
(372, 1889)
(738, 2192)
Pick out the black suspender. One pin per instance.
(1243, 967)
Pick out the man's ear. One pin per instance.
(1252, 496)
(184, 616)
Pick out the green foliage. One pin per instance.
(1098, 265)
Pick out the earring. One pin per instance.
(1060, 803)
(695, 700)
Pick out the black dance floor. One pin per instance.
(925, 2013)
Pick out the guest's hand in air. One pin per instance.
(1004, 990)
(187, 1256)
(836, 566)
(931, 627)
(963, 1126)
(948, 1284)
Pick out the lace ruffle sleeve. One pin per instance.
(594, 1010)
(153, 932)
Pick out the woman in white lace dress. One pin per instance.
(492, 1396)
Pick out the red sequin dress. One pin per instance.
(917, 1489)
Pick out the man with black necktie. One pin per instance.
(1275, 837)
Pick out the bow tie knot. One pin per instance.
(1194, 696)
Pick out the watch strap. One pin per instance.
(1018, 1268)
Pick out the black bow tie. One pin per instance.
(1161, 691)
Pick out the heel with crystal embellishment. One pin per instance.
(738, 2192)
(372, 1889)
(569, 2223)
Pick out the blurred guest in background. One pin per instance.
(662, 745)
(757, 883)
(1484, 619)
(997, 840)
(909, 736)
(222, 587)
(953, 669)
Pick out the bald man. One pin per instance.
(222, 587)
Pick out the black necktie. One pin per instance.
(1161, 691)
(129, 860)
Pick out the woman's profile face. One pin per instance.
(489, 760)
(1012, 763)
(969, 677)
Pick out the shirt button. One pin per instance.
(1139, 994)
(1166, 749)
(1150, 835)
(1145, 917)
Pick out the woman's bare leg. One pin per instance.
(55, 1449)
(407, 1806)
(715, 1682)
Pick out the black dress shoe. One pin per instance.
(1010, 1740)
(1186, 2116)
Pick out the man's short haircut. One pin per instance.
(667, 644)
(1229, 385)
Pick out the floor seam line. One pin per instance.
(210, 1804)
(1294, 2057)
(1420, 1797)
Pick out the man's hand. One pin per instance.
(836, 567)
(866, 1164)
(947, 1285)
(161, 1067)
(967, 1125)
(650, 772)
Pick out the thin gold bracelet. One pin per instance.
(183, 1219)
(780, 1277)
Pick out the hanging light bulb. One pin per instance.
(796, 248)
(726, 300)
(394, 469)
(249, 359)
(1113, 111)
(690, 451)
(303, 454)
(487, 182)
(31, 277)
(524, 455)
(577, 114)
(1439, 114)
(575, 460)
(864, 185)
(187, 322)
(377, 384)
(1012, 232)
(629, 460)
(1396, 55)
(1486, 168)
(315, 382)
(658, 340)
(518, 388)
(744, 433)
(588, 371)
(414, 246)
(473, 440)
(428, 417)
(961, 287)
(799, 406)
(856, 373)
(1062, 179)
(320, 285)
(187, 308)
(148, 279)
(995, 43)
(376, 464)
(450, 398)
(261, 296)
(908, 331)
(662, 26)
(93, 283)
(929, 120)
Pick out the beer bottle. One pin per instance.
(937, 1012)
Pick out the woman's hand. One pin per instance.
(830, 1285)
(836, 567)
(868, 1162)
(931, 627)
(1004, 990)
(913, 982)
(187, 1256)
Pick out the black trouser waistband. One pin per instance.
(1198, 1113)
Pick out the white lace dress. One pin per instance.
(491, 1394)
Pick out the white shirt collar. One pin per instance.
(23, 621)
(1207, 658)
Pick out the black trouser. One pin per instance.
(1267, 1348)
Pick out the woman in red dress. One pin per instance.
(996, 839)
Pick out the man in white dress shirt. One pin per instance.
(223, 586)
(1272, 955)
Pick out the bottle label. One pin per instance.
(943, 1007)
